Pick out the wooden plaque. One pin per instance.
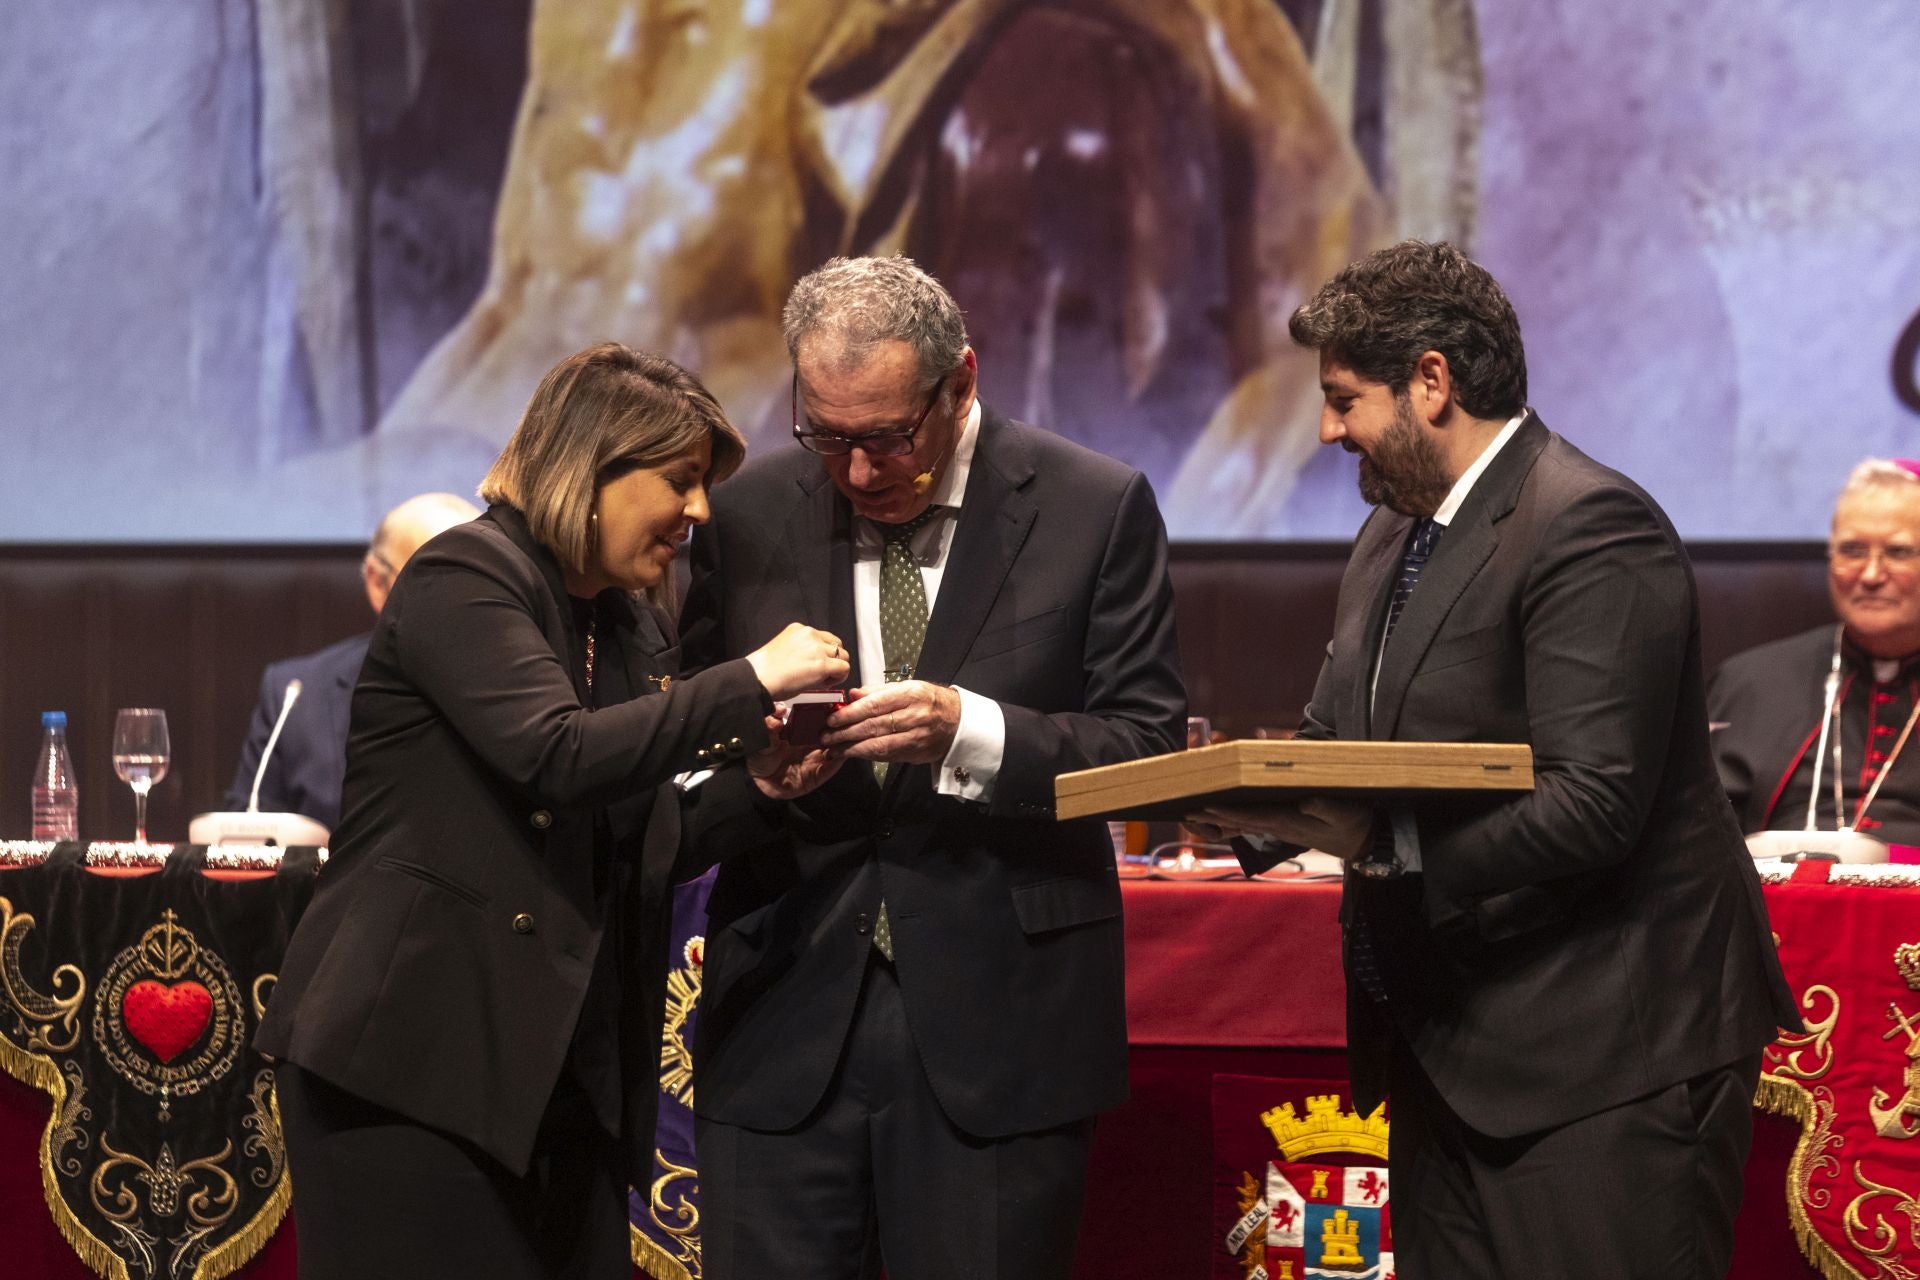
(1255, 770)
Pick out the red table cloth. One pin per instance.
(1242, 980)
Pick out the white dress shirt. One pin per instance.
(972, 763)
(1449, 508)
(1406, 832)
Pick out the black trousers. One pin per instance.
(378, 1195)
(1646, 1190)
(878, 1176)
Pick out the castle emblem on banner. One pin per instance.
(1306, 1219)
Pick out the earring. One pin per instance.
(593, 527)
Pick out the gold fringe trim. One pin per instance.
(245, 1245)
(1780, 1096)
(652, 1259)
(31, 1069)
(43, 1073)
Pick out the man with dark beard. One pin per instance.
(1565, 992)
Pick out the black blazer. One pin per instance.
(1603, 936)
(1006, 925)
(310, 761)
(441, 967)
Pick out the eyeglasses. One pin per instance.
(1896, 555)
(878, 444)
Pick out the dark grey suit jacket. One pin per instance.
(1006, 925)
(443, 963)
(310, 760)
(1603, 936)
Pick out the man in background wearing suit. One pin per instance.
(1564, 992)
(913, 1004)
(310, 760)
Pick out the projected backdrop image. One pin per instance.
(280, 265)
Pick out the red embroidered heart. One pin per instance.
(166, 1019)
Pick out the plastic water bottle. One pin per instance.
(56, 796)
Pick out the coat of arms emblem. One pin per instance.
(1317, 1219)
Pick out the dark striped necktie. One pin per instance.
(1380, 862)
(1426, 535)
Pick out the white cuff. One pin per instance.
(1406, 839)
(979, 745)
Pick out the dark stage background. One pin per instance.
(88, 629)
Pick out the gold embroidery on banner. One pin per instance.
(1885, 1237)
(63, 1129)
(1784, 1054)
(31, 1064)
(1340, 1242)
(1906, 958)
(1819, 1137)
(262, 988)
(683, 997)
(652, 1260)
(1891, 1121)
(683, 1263)
(42, 1012)
(241, 1247)
(165, 953)
(198, 1187)
(170, 1186)
(1815, 1110)
(1327, 1127)
(264, 1138)
(1253, 1259)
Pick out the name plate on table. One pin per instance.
(1253, 771)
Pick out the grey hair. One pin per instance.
(855, 304)
(1875, 473)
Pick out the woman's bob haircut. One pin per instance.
(597, 414)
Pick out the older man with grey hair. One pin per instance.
(913, 1001)
(1858, 676)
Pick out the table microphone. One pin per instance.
(1820, 751)
(1843, 844)
(254, 827)
(273, 740)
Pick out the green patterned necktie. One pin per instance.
(903, 628)
(903, 598)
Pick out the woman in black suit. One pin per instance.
(467, 1021)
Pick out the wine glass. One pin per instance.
(140, 755)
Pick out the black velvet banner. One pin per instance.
(131, 999)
